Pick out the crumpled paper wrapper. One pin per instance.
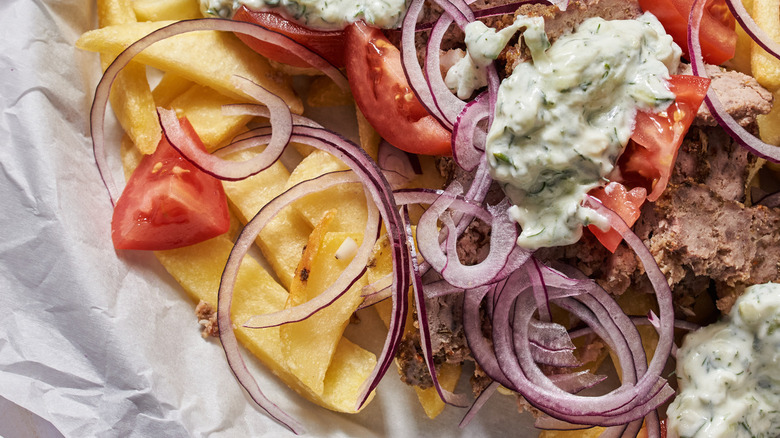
(96, 342)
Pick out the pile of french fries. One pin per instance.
(312, 356)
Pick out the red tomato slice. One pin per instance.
(381, 91)
(328, 44)
(718, 37)
(169, 203)
(647, 163)
(649, 159)
(626, 203)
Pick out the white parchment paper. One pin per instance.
(100, 343)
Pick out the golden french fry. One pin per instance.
(283, 239)
(592, 432)
(743, 53)
(203, 108)
(198, 269)
(158, 10)
(369, 138)
(324, 92)
(111, 12)
(191, 56)
(765, 67)
(348, 199)
(131, 98)
(309, 345)
(769, 124)
(432, 404)
(170, 87)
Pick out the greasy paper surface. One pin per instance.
(104, 343)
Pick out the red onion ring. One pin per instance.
(468, 140)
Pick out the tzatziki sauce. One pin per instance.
(318, 14)
(563, 117)
(729, 373)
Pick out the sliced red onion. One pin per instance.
(446, 263)
(468, 139)
(448, 104)
(539, 290)
(100, 102)
(396, 165)
(550, 335)
(725, 120)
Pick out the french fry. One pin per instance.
(743, 52)
(283, 239)
(769, 124)
(198, 269)
(324, 92)
(765, 67)
(432, 404)
(203, 108)
(158, 10)
(170, 87)
(309, 345)
(348, 199)
(191, 56)
(131, 98)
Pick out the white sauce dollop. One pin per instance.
(318, 14)
(563, 118)
(729, 373)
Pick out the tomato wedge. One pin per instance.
(718, 37)
(626, 203)
(169, 203)
(648, 160)
(328, 44)
(381, 91)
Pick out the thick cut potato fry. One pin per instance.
(309, 345)
(203, 108)
(769, 124)
(432, 404)
(766, 68)
(743, 53)
(158, 10)
(283, 239)
(192, 56)
(198, 269)
(369, 138)
(131, 98)
(348, 199)
(170, 87)
(324, 92)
